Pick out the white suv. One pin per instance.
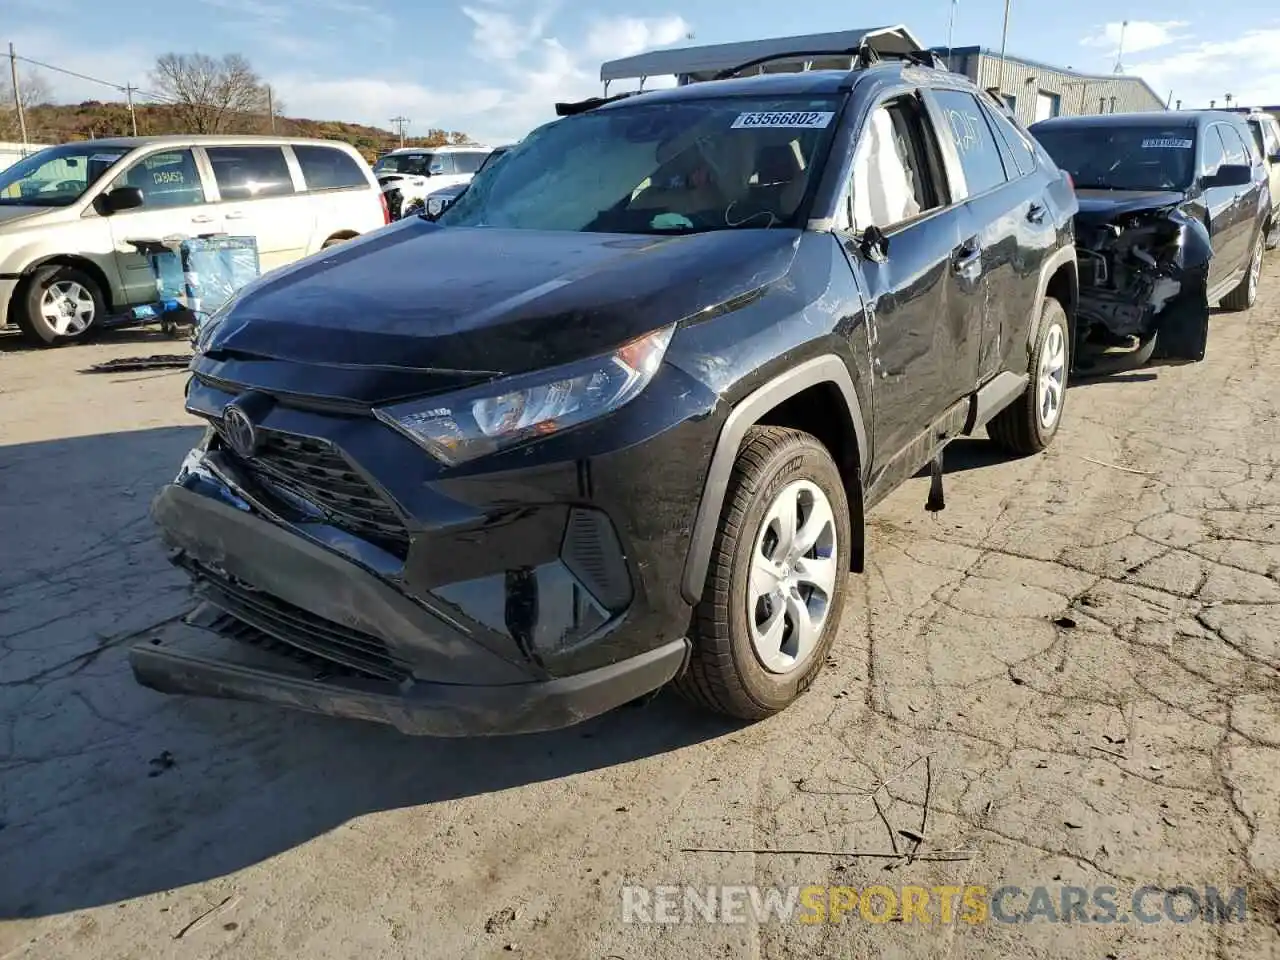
(1266, 134)
(68, 212)
(417, 172)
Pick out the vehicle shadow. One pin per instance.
(12, 340)
(109, 791)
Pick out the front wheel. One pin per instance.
(777, 581)
(58, 303)
(1029, 424)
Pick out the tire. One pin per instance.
(1021, 428)
(81, 295)
(333, 242)
(1245, 295)
(727, 672)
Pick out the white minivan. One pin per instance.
(67, 213)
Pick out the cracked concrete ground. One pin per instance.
(1083, 646)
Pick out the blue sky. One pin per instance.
(495, 67)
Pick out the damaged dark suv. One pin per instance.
(615, 418)
(1174, 213)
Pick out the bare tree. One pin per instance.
(34, 90)
(210, 95)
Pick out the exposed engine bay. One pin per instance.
(1143, 277)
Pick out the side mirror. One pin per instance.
(1230, 175)
(874, 244)
(121, 198)
(1275, 157)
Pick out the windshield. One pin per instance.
(1123, 158)
(56, 176)
(675, 167)
(414, 164)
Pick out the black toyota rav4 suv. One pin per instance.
(616, 418)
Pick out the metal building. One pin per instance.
(1037, 91)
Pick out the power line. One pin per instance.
(69, 73)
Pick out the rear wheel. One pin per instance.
(58, 303)
(1029, 424)
(1245, 295)
(777, 581)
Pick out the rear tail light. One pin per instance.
(386, 211)
(1070, 182)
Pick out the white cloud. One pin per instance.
(626, 36)
(1210, 70)
(114, 64)
(529, 70)
(1138, 35)
(525, 67)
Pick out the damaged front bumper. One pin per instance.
(1144, 276)
(328, 635)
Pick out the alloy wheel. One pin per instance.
(792, 577)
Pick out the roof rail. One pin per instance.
(784, 54)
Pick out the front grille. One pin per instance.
(314, 470)
(250, 610)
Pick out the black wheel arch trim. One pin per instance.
(95, 272)
(746, 414)
(1063, 256)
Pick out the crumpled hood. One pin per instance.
(489, 301)
(1099, 206)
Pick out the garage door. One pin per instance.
(1047, 105)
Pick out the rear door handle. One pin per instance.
(966, 256)
(1035, 213)
(235, 215)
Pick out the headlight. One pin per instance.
(434, 206)
(206, 328)
(461, 426)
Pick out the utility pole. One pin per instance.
(271, 107)
(1120, 50)
(399, 122)
(17, 97)
(1004, 40)
(133, 117)
(951, 23)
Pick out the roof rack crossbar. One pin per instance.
(591, 103)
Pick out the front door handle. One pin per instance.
(202, 218)
(967, 255)
(1035, 213)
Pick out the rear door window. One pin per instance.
(974, 140)
(326, 168)
(250, 173)
(1023, 157)
(167, 179)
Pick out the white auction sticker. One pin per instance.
(1165, 143)
(805, 120)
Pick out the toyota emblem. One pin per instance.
(238, 430)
